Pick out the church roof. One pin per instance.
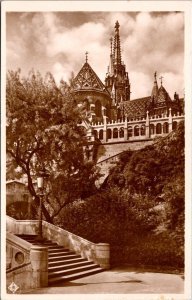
(163, 95)
(87, 79)
(137, 107)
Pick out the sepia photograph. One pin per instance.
(94, 112)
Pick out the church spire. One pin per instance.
(154, 92)
(117, 45)
(111, 71)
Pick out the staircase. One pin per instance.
(63, 264)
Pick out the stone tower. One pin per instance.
(117, 80)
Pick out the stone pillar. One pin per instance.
(103, 111)
(147, 125)
(103, 255)
(170, 121)
(104, 128)
(39, 263)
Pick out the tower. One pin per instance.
(117, 80)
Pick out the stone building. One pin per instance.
(111, 114)
(113, 118)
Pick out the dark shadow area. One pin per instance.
(73, 284)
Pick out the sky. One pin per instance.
(56, 42)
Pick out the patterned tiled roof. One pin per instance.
(136, 107)
(87, 79)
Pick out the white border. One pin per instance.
(111, 6)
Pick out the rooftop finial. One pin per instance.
(117, 25)
(117, 45)
(161, 80)
(86, 56)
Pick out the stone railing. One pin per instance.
(27, 264)
(21, 226)
(99, 253)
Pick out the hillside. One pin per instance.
(140, 208)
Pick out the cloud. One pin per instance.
(57, 42)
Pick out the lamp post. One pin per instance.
(42, 176)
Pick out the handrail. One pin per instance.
(68, 232)
(17, 241)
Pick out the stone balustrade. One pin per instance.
(27, 264)
(35, 257)
(93, 252)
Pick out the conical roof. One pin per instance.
(163, 96)
(87, 79)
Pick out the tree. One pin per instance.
(43, 131)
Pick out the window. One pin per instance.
(130, 131)
(165, 127)
(109, 133)
(136, 130)
(98, 108)
(115, 133)
(101, 134)
(152, 129)
(174, 125)
(143, 130)
(121, 132)
(159, 128)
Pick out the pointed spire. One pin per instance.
(154, 92)
(86, 56)
(117, 45)
(111, 69)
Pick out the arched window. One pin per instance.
(174, 125)
(136, 130)
(121, 132)
(95, 133)
(86, 104)
(165, 127)
(152, 129)
(143, 130)
(115, 133)
(158, 128)
(108, 133)
(101, 134)
(130, 131)
(98, 108)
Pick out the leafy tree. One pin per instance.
(42, 131)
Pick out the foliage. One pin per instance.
(140, 208)
(43, 131)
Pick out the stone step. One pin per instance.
(55, 280)
(65, 262)
(53, 252)
(54, 247)
(70, 265)
(67, 256)
(73, 270)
